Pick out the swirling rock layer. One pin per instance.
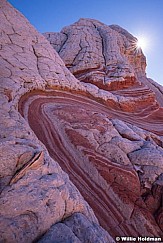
(103, 131)
(108, 160)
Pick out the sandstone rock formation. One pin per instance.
(102, 128)
(35, 192)
(112, 130)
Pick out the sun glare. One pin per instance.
(141, 43)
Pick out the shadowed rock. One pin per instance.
(76, 229)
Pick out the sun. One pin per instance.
(141, 43)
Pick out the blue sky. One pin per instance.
(140, 17)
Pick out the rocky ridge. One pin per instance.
(88, 123)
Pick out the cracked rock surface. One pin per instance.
(35, 192)
(81, 143)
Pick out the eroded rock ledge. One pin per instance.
(55, 127)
